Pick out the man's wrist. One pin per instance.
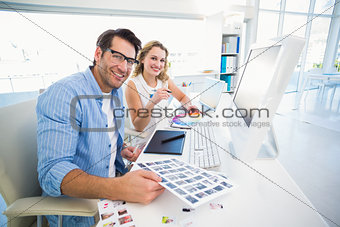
(113, 188)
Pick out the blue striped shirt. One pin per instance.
(72, 134)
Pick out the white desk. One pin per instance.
(308, 80)
(256, 202)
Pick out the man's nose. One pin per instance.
(123, 67)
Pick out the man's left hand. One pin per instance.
(131, 153)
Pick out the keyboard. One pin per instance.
(204, 152)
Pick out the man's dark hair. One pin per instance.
(105, 39)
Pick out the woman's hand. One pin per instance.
(159, 95)
(191, 109)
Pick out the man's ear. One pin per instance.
(98, 54)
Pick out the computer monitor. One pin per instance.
(211, 94)
(266, 74)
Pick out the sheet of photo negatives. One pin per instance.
(191, 184)
(114, 213)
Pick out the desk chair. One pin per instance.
(322, 85)
(19, 184)
(131, 133)
(319, 84)
(332, 85)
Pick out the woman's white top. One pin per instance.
(145, 93)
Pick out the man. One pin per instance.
(80, 142)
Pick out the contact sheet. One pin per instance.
(191, 184)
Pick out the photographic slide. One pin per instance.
(191, 184)
(114, 213)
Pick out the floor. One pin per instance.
(309, 143)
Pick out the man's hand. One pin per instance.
(131, 153)
(137, 186)
(140, 186)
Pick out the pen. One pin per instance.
(187, 209)
(173, 138)
(179, 127)
(134, 151)
(169, 91)
(129, 163)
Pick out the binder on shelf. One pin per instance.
(229, 60)
(229, 83)
(223, 64)
(231, 64)
(225, 48)
(228, 64)
(238, 45)
(231, 44)
(228, 80)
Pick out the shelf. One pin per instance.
(196, 74)
(230, 34)
(229, 54)
(230, 74)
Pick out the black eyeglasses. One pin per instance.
(118, 58)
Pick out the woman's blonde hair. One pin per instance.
(163, 76)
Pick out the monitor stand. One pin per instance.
(206, 108)
(268, 150)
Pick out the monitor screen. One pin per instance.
(212, 92)
(254, 83)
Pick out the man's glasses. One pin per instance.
(118, 58)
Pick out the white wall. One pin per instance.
(163, 8)
(149, 19)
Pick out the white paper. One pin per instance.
(113, 214)
(193, 185)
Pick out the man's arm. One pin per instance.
(136, 186)
(56, 139)
(57, 142)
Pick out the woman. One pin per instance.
(150, 87)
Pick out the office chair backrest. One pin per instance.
(18, 152)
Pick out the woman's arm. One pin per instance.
(140, 119)
(180, 96)
(141, 116)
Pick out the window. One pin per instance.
(337, 58)
(293, 16)
(268, 23)
(295, 25)
(270, 4)
(33, 59)
(297, 6)
(322, 5)
(317, 43)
